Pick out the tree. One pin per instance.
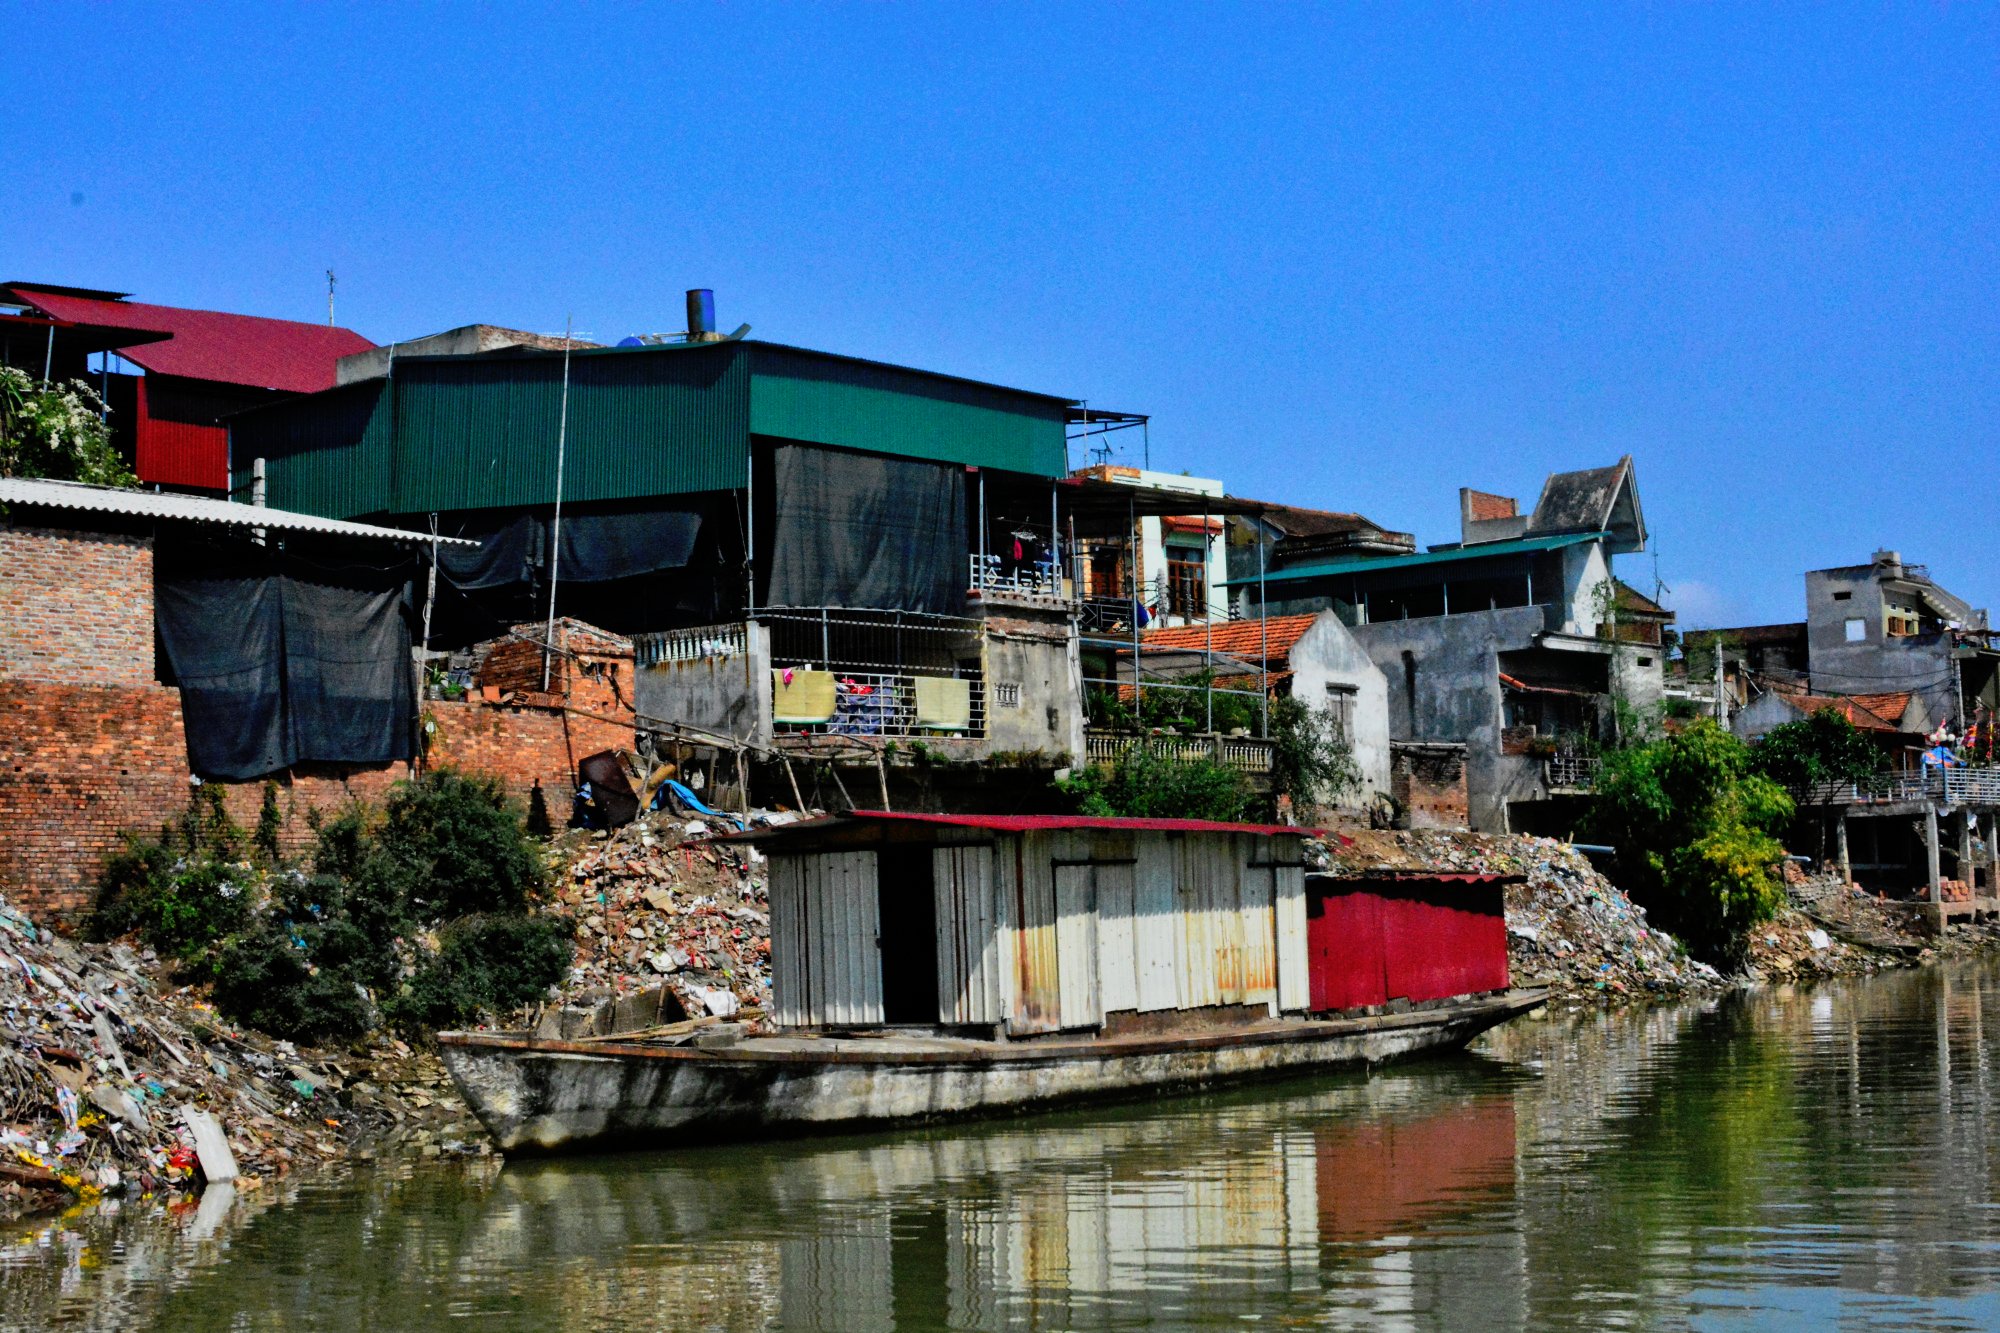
(1815, 752)
(1696, 835)
(57, 432)
(1311, 760)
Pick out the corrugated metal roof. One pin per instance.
(1478, 551)
(284, 354)
(1022, 824)
(192, 509)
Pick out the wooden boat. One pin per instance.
(932, 967)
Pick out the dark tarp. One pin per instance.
(280, 662)
(596, 548)
(857, 530)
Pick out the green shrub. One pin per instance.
(270, 979)
(1310, 760)
(1142, 784)
(456, 847)
(485, 964)
(1696, 832)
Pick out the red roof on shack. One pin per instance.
(285, 354)
(1034, 823)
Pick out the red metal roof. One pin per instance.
(250, 350)
(1034, 823)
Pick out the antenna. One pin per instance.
(329, 298)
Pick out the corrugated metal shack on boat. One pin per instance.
(1026, 924)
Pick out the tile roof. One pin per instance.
(284, 354)
(1868, 712)
(1236, 638)
(1316, 522)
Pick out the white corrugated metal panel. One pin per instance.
(826, 906)
(1255, 890)
(196, 509)
(1201, 937)
(1156, 930)
(1076, 945)
(1294, 988)
(1037, 998)
(968, 935)
(1117, 965)
(790, 991)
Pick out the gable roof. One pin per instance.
(1601, 499)
(1631, 599)
(1297, 522)
(283, 354)
(1241, 639)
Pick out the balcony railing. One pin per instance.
(690, 645)
(1244, 753)
(1944, 786)
(990, 574)
(1571, 772)
(887, 704)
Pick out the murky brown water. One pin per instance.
(1829, 1157)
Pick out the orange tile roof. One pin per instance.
(1869, 712)
(1242, 639)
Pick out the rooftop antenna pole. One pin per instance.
(329, 298)
(555, 529)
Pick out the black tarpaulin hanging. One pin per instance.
(858, 530)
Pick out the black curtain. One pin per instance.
(859, 530)
(283, 660)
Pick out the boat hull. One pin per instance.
(543, 1096)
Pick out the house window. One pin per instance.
(1842, 596)
(1857, 630)
(1187, 581)
(1340, 701)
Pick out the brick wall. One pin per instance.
(1428, 785)
(76, 607)
(82, 764)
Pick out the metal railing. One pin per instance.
(1943, 785)
(876, 703)
(1570, 771)
(691, 645)
(991, 574)
(1244, 753)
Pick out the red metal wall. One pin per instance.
(1422, 939)
(179, 453)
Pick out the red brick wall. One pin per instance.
(1428, 783)
(76, 607)
(81, 764)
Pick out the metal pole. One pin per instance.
(1721, 713)
(1132, 537)
(430, 589)
(825, 642)
(49, 356)
(979, 574)
(1055, 544)
(1207, 633)
(1264, 649)
(555, 530)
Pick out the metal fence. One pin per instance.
(1040, 578)
(1943, 785)
(1571, 771)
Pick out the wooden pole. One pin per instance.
(798, 801)
(882, 777)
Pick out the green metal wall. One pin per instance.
(477, 433)
(885, 409)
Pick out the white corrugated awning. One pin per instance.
(196, 509)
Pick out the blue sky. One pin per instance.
(1350, 257)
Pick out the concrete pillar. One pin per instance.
(1965, 869)
(1993, 853)
(1931, 854)
(1840, 853)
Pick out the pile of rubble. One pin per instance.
(1569, 929)
(657, 903)
(108, 1083)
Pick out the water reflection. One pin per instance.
(1778, 1157)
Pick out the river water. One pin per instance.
(1827, 1156)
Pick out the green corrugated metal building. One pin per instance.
(479, 432)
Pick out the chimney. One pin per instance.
(1890, 562)
(701, 316)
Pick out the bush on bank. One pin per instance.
(1696, 832)
(419, 914)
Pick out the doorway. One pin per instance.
(907, 901)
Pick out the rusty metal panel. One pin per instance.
(1294, 984)
(968, 935)
(790, 991)
(1257, 892)
(1076, 945)
(1117, 963)
(1037, 999)
(1198, 931)
(1156, 929)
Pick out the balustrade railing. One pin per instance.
(1247, 754)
